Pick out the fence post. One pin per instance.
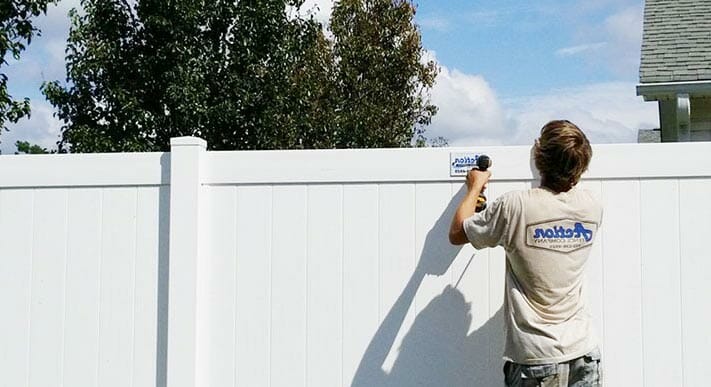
(186, 155)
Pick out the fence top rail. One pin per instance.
(610, 161)
(84, 170)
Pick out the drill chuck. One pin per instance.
(483, 162)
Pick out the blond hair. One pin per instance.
(562, 153)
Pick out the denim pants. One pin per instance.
(584, 371)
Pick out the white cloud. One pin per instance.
(471, 113)
(42, 129)
(621, 32)
(320, 9)
(607, 112)
(434, 23)
(574, 50)
(624, 31)
(514, 15)
(43, 60)
(468, 109)
(488, 17)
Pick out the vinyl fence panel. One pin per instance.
(371, 231)
(326, 268)
(83, 239)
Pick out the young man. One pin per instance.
(547, 233)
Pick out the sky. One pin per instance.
(506, 68)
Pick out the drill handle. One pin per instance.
(483, 163)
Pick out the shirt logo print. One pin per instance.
(563, 235)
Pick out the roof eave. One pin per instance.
(667, 90)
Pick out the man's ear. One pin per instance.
(532, 162)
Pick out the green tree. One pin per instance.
(25, 147)
(382, 83)
(16, 32)
(221, 70)
(241, 75)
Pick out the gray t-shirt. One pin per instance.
(547, 239)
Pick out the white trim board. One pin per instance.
(668, 90)
(432, 164)
(610, 161)
(83, 170)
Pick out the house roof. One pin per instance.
(676, 43)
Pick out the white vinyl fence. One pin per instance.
(325, 268)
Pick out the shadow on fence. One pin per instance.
(163, 274)
(438, 350)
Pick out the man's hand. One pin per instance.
(476, 181)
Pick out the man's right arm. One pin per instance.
(476, 180)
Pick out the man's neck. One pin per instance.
(545, 185)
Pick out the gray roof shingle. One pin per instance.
(676, 42)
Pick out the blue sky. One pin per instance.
(522, 47)
(507, 67)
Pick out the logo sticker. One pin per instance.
(563, 235)
(461, 163)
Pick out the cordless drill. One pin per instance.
(483, 163)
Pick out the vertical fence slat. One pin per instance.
(324, 287)
(397, 262)
(254, 214)
(117, 287)
(48, 270)
(360, 274)
(594, 290)
(434, 252)
(622, 283)
(145, 337)
(661, 294)
(81, 342)
(163, 286)
(288, 344)
(695, 220)
(435, 350)
(16, 207)
(215, 357)
(470, 275)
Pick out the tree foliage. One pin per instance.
(16, 32)
(381, 81)
(25, 147)
(241, 75)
